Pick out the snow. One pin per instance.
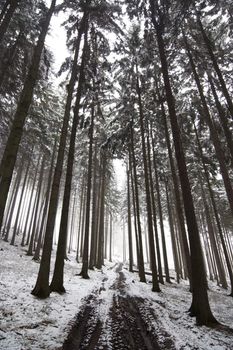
(171, 306)
(27, 323)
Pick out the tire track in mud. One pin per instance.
(129, 322)
(87, 327)
(129, 327)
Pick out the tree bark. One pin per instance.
(134, 210)
(100, 259)
(45, 211)
(216, 67)
(155, 283)
(160, 272)
(84, 271)
(220, 231)
(220, 269)
(94, 213)
(157, 186)
(141, 267)
(129, 223)
(223, 119)
(12, 145)
(110, 237)
(213, 132)
(20, 204)
(30, 204)
(179, 209)
(57, 280)
(42, 288)
(72, 222)
(36, 216)
(200, 304)
(80, 219)
(173, 238)
(12, 208)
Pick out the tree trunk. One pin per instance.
(200, 304)
(72, 222)
(221, 272)
(141, 267)
(206, 245)
(172, 232)
(83, 221)
(9, 203)
(216, 67)
(20, 204)
(57, 280)
(97, 220)
(155, 283)
(30, 204)
(134, 211)
(45, 211)
(213, 132)
(100, 259)
(94, 212)
(42, 289)
(229, 267)
(129, 224)
(36, 216)
(223, 119)
(124, 241)
(154, 216)
(24, 206)
(84, 271)
(179, 209)
(178, 242)
(80, 219)
(15, 194)
(12, 145)
(110, 237)
(157, 186)
(106, 233)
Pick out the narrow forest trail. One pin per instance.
(128, 323)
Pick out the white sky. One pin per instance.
(56, 40)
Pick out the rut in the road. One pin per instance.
(129, 322)
(129, 329)
(87, 328)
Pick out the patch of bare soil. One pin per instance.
(129, 322)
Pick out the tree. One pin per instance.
(200, 303)
(57, 281)
(6, 14)
(11, 149)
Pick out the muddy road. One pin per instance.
(123, 322)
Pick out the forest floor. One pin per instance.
(111, 310)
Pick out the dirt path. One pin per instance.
(129, 323)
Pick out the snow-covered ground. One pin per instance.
(170, 308)
(27, 323)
